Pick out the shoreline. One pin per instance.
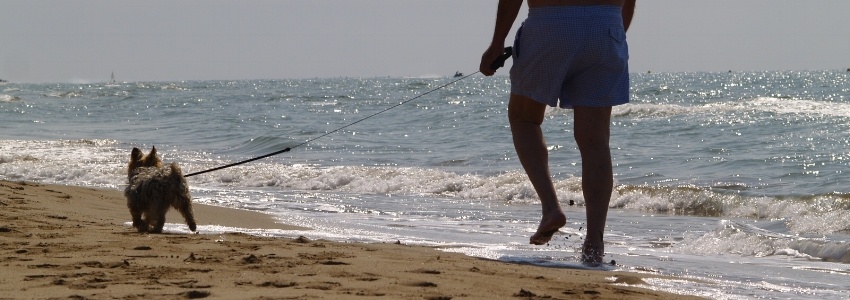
(65, 241)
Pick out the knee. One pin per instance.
(524, 110)
(592, 128)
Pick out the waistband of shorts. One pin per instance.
(567, 11)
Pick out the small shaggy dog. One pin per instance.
(152, 189)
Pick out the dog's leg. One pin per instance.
(138, 223)
(156, 218)
(136, 211)
(183, 204)
(180, 198)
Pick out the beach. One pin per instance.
(74, 242)
(728, 185)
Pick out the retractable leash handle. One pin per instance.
(500, 62)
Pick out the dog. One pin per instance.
(152, 189)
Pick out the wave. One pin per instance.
(63, 94)
(825, 250)
(9, 98)
(644, 110)
(805, 213)
(782, 106)
(772, 105)
(735, 237)
(505, 187)
(100, 162)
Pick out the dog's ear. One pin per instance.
(153, 152)
(136, 155)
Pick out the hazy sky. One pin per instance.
(163, 40)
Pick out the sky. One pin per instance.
(166, 40)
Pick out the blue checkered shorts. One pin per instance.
(577, 54)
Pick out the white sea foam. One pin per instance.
(8, 98)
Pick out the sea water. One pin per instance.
(737, 183)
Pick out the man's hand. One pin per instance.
(487, 59)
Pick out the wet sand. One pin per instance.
(72, 242)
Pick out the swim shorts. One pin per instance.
(577, 54)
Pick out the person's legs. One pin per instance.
(592, 132)
(525, 117)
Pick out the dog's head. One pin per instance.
(139, 160)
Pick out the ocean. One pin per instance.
(738, 183)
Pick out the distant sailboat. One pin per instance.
(112, 81)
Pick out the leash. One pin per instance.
(498, 63)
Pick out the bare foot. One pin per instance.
(547, 228)
(592, 253)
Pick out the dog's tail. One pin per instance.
(177, 176)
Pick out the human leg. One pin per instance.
(525, 117)
(592, 133)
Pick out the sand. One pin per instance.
(66, 242)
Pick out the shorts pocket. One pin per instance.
(618, 34)
(619, 46)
